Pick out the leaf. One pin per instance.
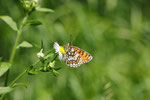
(32, 72)
(29, 68)
(44, 10)
(4, 66)
(36, 45)
(4, 90)
(22, 84)
(10, 22)
(44, 69)
(55, 73)
(25, 44)
(33, 22)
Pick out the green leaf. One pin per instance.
(30, 68)
(21, 84)
(4, 66)
(44, 69)
(44, 10)
(32, 72)
(25, 44)
(33, 22)
(4, 90)
(55, 73)
(36, 46)
(10, 22)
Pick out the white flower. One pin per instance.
(59, 50)
(40, 54)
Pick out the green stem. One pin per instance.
(11, 85)
(17, 39)
(54, 57)
(24, 72)
(18, 78)
(15, 46)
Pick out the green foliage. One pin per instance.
(10, 22)
(33, 22)
(25, 44)
(4, 66)
(32, 72)
(29, 5)
(20, 84)
(4, 90)
(44, 10)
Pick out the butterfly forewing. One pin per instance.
(86, 57)
(74, 56)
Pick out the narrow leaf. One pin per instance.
(44, 10)
(32, 72)
(4, 90)
(4, 66)
(20, 84)
(33, 22)
(10, 22)
(36, 46)
(25, 44)
(55, 73)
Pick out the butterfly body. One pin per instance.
(74, 56)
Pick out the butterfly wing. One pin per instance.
(85, 56)
(74, 56)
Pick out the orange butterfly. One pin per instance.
(74, 56)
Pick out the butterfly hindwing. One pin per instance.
(74, 56)
(86, 57)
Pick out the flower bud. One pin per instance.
(26, 4)
(40, 54)
(29, 5)
(52, 64)
(35, 3)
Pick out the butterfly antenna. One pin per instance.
(71, 38)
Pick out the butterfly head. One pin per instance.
(67, 46)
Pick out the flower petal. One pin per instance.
(57, 50)
(60, 56)
(56, 47)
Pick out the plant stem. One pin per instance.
(11, 85)
(24, 72)
(15, 46)
(18, 78)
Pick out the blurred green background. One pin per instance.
(115, 32)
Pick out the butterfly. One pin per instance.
(74, 56)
